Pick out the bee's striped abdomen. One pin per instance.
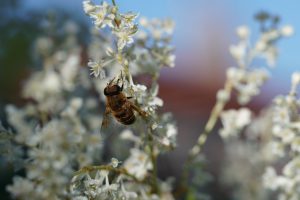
(125, 115)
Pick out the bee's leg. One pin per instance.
(122, 81)
(105, 117)
(129, 97)
(138, 109)
(122, 86)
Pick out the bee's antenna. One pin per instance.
(122, 81)
(110, 82)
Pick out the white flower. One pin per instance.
(243, 32)
(97, 69)
(72, 109)
(260, 45)
(295, 145)
(138, 163)
(270, 178)
(69, 71)
(292, 169)
(129, 18)
(238, 52)
(156, 101)
(44, 45)
(168, 26)
(276, 148)
(295, 81)
(287, 30)
(170, 60)
(124, 35)
(247, 83)
(233, 121)
(128, 135)
(51, 82)
(21, 187)
(102, 16)
(88, 6)
(223, 95)
(99, 187)
(171, 133)
(139, 92)
(114, 162)
(144, 21)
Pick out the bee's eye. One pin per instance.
(105, 92)
(119, 88)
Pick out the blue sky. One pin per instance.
(196, 18)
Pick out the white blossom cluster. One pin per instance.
(245, 79)
(255, 142)
(234, 121)
(285, 131)
(57, 131)
(142, 51)
(57, 140)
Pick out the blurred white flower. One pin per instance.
(128, 135)
(114, 162)
(75, 105)
(270, 178)
(234, 121)
(243, 32)
(287, 30)
(171, 133)
(238, 52)
(223, 95)
(69, 70)
(138, 163)
(88, 6)
(21, 187)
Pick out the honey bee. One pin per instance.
(119, 105)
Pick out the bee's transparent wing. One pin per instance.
(106, 119)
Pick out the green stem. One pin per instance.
(153, 156)
(114, 2)
(213, 118)
(197, 148)
(108, 168)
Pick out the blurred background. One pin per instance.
(204, 31)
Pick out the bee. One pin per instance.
(119, 105)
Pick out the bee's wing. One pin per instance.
(106, 119)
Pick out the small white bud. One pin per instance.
(223, 95)
(88, 7)
(261, 45)
(114, 162)
(143, 21)
(287, 30)
(243, 32)
(296, 78)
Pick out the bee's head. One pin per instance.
(111, 90)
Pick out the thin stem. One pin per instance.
(153, 156)
(108, 168)
(114, 2)
(217, 109)
(197, 148)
